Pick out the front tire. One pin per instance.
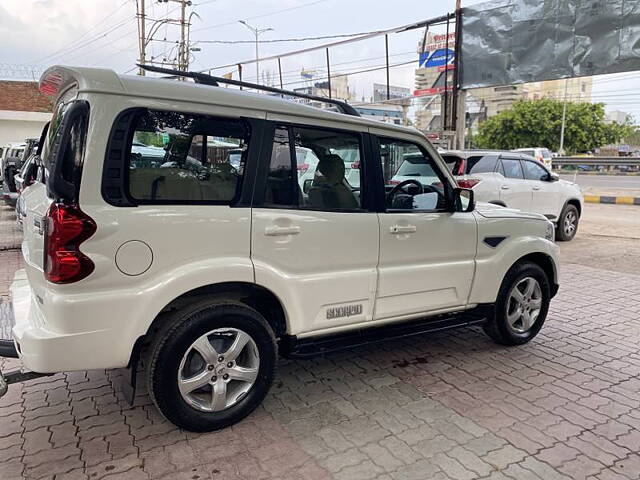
(522, 305)
(213, 366)
(567, 223)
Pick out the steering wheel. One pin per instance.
(402, 186)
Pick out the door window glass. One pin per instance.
(179, 157)
(325, 174)
(533, 171)
(412, 180)
(512, 168)
(486, 164)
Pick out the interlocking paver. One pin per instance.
(445, 406)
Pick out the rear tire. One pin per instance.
(529, 283)
(567, 223)
(212, 366)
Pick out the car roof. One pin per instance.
(100, 80)
(473, 153)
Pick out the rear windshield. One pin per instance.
(531, 153)
(415, 166)
(546, 153)
(56, 121)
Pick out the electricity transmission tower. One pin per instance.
(178, 55)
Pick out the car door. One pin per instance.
(316, 250)
(427, 251)
(514, 193)
(545, 195)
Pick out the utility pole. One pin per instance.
(182, 51)
(564, 117)
(140, 15)
(460, 97)
(256, 32)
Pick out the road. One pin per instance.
(608, 238)
(605, 183)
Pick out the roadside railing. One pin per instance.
(598, 161)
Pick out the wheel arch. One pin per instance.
(576, 203)
(252, 295)
(547, 264)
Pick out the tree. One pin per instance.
(537, 123)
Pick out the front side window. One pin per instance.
(533, 171)
(412, 180)
(181, 157)
(511, 168)
(314, 169)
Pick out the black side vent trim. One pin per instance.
(493, 242)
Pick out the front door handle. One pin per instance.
(536, 188)
(400, 229)
(505, 187)
(281, 231)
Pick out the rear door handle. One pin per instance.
(281, 231)
(504, 187)
(536, 188)
(399, 229)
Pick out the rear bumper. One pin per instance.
(45, 349)
(10, 198)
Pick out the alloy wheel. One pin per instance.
(524, 305)
(218, 369)
(570, 222)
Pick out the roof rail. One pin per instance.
(214, 81)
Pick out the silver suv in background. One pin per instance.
(542, 155)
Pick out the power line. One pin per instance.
(219, 25)
(279, 40)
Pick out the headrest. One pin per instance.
(331, 169)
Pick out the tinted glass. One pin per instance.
(512, 168)
(325, 174)
(533, 171)
(546, 153)
(281, 184)
(183, 157)
(486, 164)
(451, 161)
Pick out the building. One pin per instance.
(388, 113)
(618, 116)
(23, 111)
(339, 90)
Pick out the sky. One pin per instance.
(37, 33)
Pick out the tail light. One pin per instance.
(303, 167)
(468, 183)
(393, 182)
(540, 159)
(66, 227)
(356, 165)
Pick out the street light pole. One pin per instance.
(564, 117)
(256, 32)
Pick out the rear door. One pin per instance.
(514, 193)
(317, 250)
(35, 200)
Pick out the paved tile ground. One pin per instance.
(450, 405)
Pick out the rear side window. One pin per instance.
(181, 157)
(314, 169)
(486, 164)
(512, 168)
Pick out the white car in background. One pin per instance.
(516, 180)
(542, 155)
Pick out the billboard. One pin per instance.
(438, 52)
(380, 92)
(505, 42)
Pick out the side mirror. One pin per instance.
(57, 184)
(553, 177)
(464, 200)
(306, 186)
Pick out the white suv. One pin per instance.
(209, 274)
(542, 155)
(516, 180)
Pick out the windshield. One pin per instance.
(56, 120)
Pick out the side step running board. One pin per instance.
(293, 347)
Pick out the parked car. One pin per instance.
(12, 161)
(517, 180)
(542, 155)
(209, 278)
